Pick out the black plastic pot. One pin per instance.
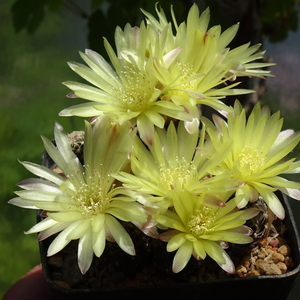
(248, 288)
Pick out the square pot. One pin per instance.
(247, 288)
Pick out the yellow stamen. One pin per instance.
(137, 89)
(251, 158)
(91, 198)
(201, 222)
(181, 172)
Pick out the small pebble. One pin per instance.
(242, 269)
(261, 264)
(262, 254)
(277, 257)
(285, 250)
(246, 263)
(289, 262)
(253, 273)
(274, 242)
(282, 266)
(272, 269)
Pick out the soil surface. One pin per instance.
(269, 254)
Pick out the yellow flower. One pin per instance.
(257, 157)
(128, 90)
(199, 230)
(156, 74)
(177, 161)
(84, 203)
(204, 63)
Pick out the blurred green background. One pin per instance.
(38, 37)
(32, 68)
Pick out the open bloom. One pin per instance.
(127, 90)
(82, 201)
(199, 230)
(204, 63)
(157, 74)
(177, 161)
(257, 157)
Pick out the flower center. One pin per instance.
(186, 72)
(137, 89)
(201, 222)
(181, 172)
(251, 159)
(90, 198)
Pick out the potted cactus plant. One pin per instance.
(153, 193)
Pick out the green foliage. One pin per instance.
(31, 95)
(279, 17)
(102, 20)
(274, 18)
(29, 14)
(104, 15)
